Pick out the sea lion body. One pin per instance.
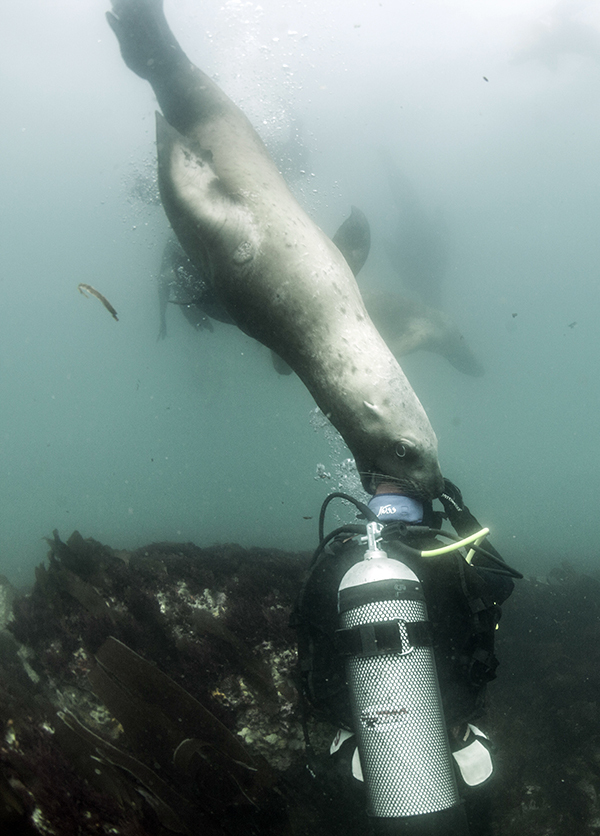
(276, 273)
(405, 322)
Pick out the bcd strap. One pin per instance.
(482, 666)
(394, 636)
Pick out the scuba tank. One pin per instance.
(395, 698)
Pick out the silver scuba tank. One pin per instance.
(395, 698)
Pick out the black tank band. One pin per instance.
(383, 637)
(393, 589)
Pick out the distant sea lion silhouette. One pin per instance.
(405, 323)
(277, 274)
(409, 325)
(419, 254)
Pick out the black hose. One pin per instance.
(402, 530)
(350, 529)
(364, 510)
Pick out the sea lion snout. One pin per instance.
(414, 471)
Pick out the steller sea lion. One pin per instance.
(278, 276)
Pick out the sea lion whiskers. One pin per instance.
(405, 486)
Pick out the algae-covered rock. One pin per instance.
(152, 692)
(7, 596)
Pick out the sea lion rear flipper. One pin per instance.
(462, 358)
(144, 36)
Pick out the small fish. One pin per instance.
(571, 325)
(82, 288)
(485, 79)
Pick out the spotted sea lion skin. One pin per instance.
(280, 278)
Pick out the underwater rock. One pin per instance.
(544, 712)
(7, 595)
(163, 677)
(151, 692)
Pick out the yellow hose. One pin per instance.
(452, 547)
(471, 552)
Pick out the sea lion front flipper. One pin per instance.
(280, 366)
(166, 278)
(353, 239)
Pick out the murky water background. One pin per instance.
(492, 113)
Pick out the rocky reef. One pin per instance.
(544, 708)
(152, 692)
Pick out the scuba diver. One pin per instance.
(384, 607)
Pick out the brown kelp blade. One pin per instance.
(146, 682)
(158, 715)
(172, 809)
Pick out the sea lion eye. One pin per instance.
(404, 448)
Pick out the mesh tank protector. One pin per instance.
(395, 698)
